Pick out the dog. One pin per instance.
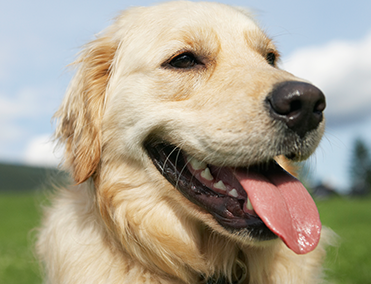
(177, 127)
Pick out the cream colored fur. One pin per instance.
(120, 221)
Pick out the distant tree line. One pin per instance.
(360, 168)
(15, 178)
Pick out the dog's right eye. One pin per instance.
(184, 61)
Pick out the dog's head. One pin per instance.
(192, 89)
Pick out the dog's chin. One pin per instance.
(227, 202)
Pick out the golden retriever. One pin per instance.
(174, 127)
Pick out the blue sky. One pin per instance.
(326, 42)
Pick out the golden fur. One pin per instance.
(121, 221)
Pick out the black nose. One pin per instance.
(299, 105)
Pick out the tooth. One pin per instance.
(197, 164)
(206, 174)
(220, 185)
(249, 205)
(233, 192)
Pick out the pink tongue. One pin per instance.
(285, 206)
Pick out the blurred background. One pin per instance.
(325, 42)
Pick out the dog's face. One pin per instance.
(183, 104)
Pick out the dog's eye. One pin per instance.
(271, 58)
(184, 61)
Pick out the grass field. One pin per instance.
(350, 263)
(19, 214)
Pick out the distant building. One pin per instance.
(323, 191)
(361, 188)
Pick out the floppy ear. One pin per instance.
(80, 115)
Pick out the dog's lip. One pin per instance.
(227, 210)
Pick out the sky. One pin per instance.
(325, 42)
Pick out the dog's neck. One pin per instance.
(240, 275)
(222, 280)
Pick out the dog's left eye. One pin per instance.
(184, 61)
(271, 58)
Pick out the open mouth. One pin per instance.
(260, 201)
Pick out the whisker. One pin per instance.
(176, 162)
(186, 162)
(167, 159)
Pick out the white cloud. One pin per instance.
(41, 151)
(342, 69)
(24, 113)
(28, 102)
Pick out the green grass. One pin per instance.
(19, 214)
(350, 263)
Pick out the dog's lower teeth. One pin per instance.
(197, 164)
(206, 174)
(249, 205)
(233, 193)
(220, 185)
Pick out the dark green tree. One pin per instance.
(360, 168)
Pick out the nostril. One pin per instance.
(320, 106)
(299, 105)
(284, 102)
(295, 106)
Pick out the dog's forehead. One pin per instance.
(176, 12)
(175, 25)
(169, 18)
